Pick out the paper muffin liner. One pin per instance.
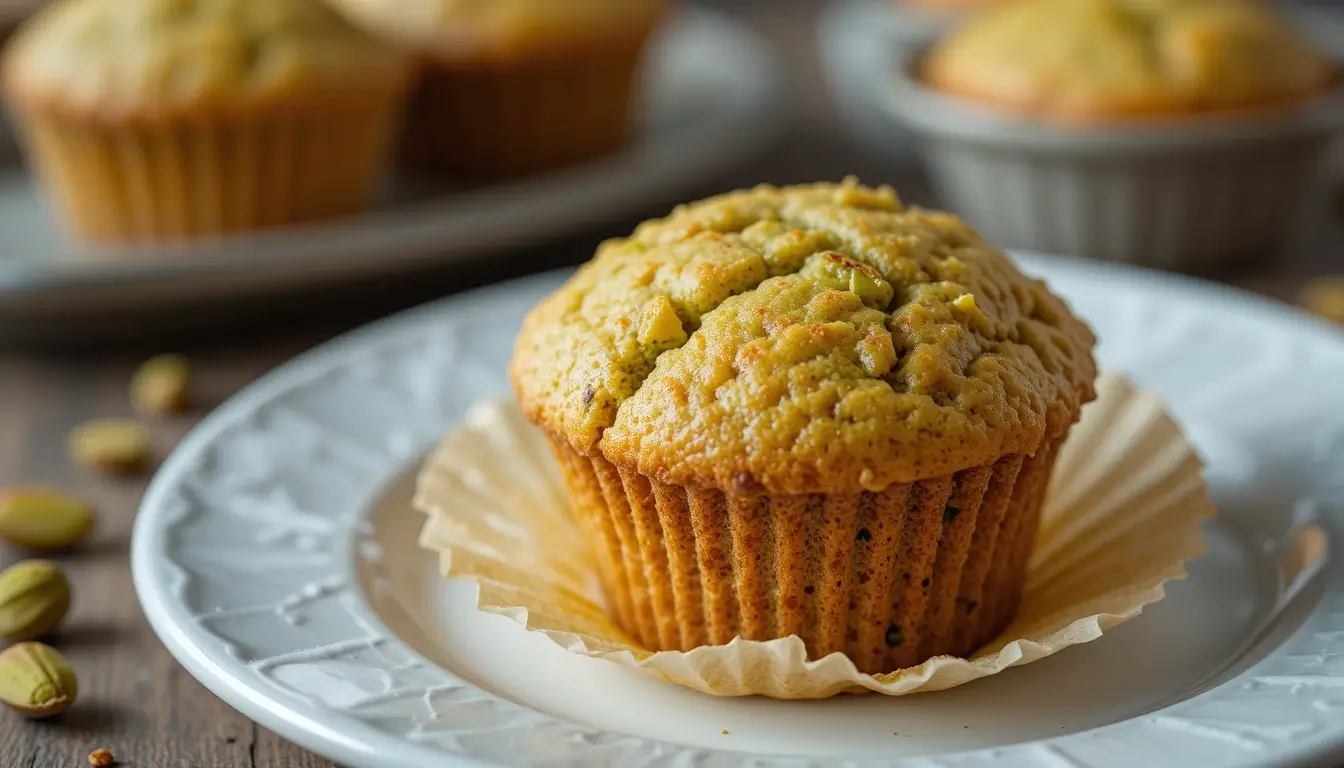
(1119, 518)
(507, 117)
(889, 579)
(191, 177)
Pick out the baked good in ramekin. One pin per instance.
(807, 411)
(153, 119)
(511, 87)
(1174, 133)
(1091, 60)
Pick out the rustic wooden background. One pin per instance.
(135, 700)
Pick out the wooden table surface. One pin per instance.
(135, 700)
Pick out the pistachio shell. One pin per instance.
(42, 518)
(161, 385)
(113, 445)
(34, 598)
(36, 681)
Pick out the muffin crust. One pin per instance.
(802, 340)
(141, 59)
(473, 29)
(1109, 58)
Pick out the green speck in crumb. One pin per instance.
(894, 733)
(950, 513)
(871, 290)
(966, 727)
(894, 636)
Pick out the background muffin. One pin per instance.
(1113, 58)
(515, 86)
(1181, 134)
(173, 118)
(807, 411)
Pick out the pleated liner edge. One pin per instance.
(192, 178)
(891, 579)
(502, 120)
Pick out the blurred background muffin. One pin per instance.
(177, 118)
(510, 87)
(1174, 133)
(1108, 59)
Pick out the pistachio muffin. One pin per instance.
(1098, 59)
(807, 411)
(178, 118)
(510, 87)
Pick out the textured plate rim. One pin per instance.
(357, 743)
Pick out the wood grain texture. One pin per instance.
(134, 698)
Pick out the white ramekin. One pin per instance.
(1188, 194)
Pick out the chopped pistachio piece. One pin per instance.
(835, 270)
(877, 353)
(880, 199)
(659, 324)
(874, 291)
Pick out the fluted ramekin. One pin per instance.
(1187, 193)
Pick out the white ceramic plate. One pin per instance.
(275, 556)
(712, 85)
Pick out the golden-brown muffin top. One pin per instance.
(139, 58)
(1098, 58)
(801, 340)
(471, 27)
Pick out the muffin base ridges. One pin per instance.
(890, 578)
(504, 118)
(188, 177)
